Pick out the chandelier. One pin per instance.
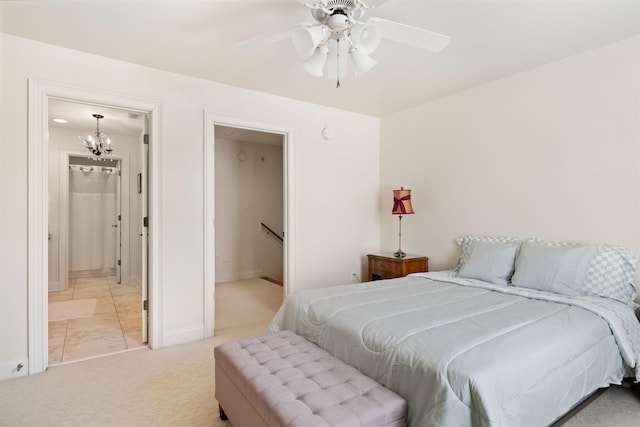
(97, 144)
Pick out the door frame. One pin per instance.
(211, 119)
(40, 92)
(123, 225)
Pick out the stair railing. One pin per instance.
(270, 232)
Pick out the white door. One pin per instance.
(118, 223)
(143, 182)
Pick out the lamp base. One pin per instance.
(399, 254)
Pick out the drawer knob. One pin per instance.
(383, 266)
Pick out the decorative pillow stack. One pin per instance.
(564, 268)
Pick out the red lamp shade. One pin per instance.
(402, 202)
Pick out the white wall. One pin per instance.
(328, 175)
(551, 153)
(248, 192)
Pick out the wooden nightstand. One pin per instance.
(386, 266)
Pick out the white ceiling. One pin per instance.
(490, 39)
(80, 116)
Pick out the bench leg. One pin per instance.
(223, 416)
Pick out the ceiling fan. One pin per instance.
(339, 33)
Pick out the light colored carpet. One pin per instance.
(246, 301)
(175, 387)
(167, 387)
(72, 309)
(617, 407)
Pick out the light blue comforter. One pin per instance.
(470, 353)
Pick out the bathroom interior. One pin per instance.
(95, 259)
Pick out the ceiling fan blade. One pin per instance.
(412, 36)
(375, 3)
(266, 39)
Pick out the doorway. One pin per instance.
(40, 93)
(93, 239)
(249, 242)
(211, 122)
(95, 234)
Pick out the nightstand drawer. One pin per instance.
(383, 267)
(386, 266)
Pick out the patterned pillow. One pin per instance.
(611, 273)
(465, 241)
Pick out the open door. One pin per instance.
(143, 187)
(118, 223)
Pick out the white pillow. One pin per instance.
(465, 241)
(560, 269)
(491, 262)
(611, 273)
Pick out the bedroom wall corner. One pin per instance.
(552, 152)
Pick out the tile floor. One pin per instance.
(116, 325)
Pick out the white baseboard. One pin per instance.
(136, 280)
(54, 286)
(13, 369)
(78, 274)
(182, 336)
(238, 275)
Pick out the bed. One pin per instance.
(464, 350)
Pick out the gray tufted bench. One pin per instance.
(281, 379)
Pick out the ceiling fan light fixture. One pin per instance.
(366, 36)
(338, 22)
(307, 39)
(315, 64)
(362, 62)
(339, 33)
(319, 15)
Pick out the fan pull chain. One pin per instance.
(338, 66)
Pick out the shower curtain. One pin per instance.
(92, 214)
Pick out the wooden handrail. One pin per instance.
(271, 231)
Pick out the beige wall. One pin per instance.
(551, 153)
(330, 242)
(248, 192)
